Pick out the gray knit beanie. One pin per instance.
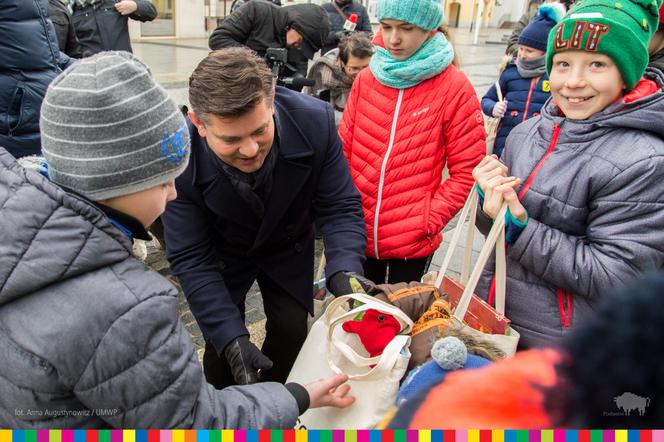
(108, 129)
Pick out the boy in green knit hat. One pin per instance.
(582, 180)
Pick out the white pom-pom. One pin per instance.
(450, 353)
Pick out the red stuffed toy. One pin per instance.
(375, 330)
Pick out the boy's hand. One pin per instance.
(489, 167)
(499, 109)
(512, 199)
(329, 392)
(498, 188)
(126, 7)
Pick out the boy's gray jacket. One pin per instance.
(89, 336)
(596, 210)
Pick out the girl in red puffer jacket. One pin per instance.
(409, 115)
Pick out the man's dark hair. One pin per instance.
(356, 44)
(229, 82)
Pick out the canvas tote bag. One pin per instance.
(507, 341)
(492, 125)
(329, 350)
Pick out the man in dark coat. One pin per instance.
(101, 25)
(29, 61)
(266, 165)
(261, 25)
(64, 28)
(338, 11)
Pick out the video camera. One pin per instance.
(277, 60)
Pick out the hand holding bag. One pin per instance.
(480, 318)
(329, 350)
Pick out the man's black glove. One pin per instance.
(344, 283)
(245, 360)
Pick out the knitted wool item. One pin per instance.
(619, 29)
(431, 59)
(108, 129)
(426, 14)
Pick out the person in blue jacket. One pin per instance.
(266, 165)
(524, 83)
(29, 61)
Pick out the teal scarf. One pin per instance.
(430, 60)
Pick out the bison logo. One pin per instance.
(629, 402)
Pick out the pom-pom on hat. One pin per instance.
(426, 14)
(108, 129)
(619, 29)
(536, 34)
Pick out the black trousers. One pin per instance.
(400, 270)
(286, 330)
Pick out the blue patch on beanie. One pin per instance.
(175, 146)
(536, 34)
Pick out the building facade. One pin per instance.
(197, 18)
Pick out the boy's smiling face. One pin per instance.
(584, 83)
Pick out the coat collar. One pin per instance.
(291, 172)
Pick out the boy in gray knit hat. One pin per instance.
(89, 337)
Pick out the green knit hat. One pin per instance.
(426, 14)
(620, 29)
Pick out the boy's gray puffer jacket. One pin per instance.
(89, 336)
(596, 210)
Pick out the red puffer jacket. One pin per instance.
(397, 143)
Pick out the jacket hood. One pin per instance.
(48, 235)
(309, 20)
(641, 110)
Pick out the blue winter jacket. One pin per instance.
(525, 97)
(29, 61)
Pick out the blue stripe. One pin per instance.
(375, 436)
(252, 435)
(436, 436)
(313, 436)
(510, 436)
(571, 436)
(18, 436)
(141, 436)
(79, 435)
(633, 436)
(203, 436)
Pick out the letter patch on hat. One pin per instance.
(581, 28)
(176, 145)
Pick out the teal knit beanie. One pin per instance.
(426, 14)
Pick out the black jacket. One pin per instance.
(64, 28)
(216, 245)
(262, 25)
(337, 22)
(102, 28)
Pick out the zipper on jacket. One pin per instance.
(565, 313)
(552, 147)
(533, 82)
(526, 186)
(383, 168)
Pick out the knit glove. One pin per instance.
(345, 283)
(499, 109)
(245, 360)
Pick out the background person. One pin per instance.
(336, 70)
(29, 61)
(102, 25)
(339, 11)
(410, 114)
(260, 25)
(524, 83)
